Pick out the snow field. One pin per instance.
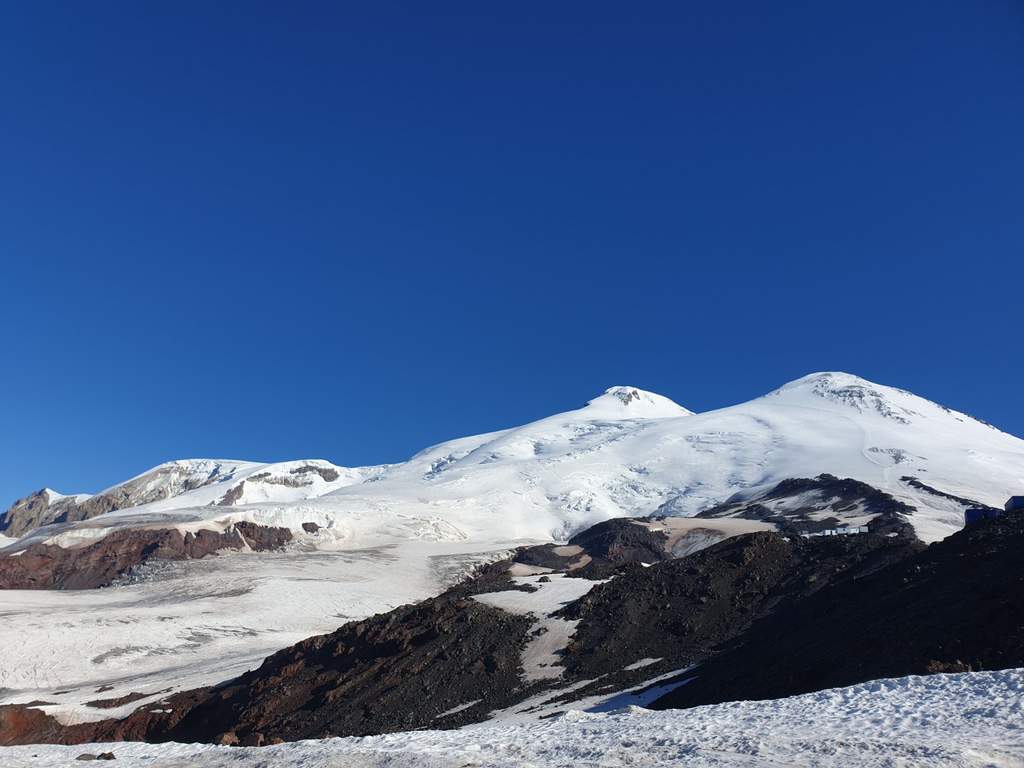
(966, 720)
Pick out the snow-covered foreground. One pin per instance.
(973, 719)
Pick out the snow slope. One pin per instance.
(971, 719)
(199, 482)
(626, 453)
(558, 475)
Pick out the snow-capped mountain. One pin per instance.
(187, 483)
(826, 446)
(162, 482)
(625, 453)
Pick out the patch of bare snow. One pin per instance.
(549, 635)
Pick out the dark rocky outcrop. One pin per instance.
(601, 550)
(683, 610)
(398, 671)
(263, 538)
(827, 501)
(914, 482)
(618, 543)
(622, 540)
(329, 474)
(118, 701)
(955, 606)
(298, 477)
(232, 495)
(48, 566)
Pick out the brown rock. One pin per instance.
(47, 566)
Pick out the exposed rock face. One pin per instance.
(685, 609)
(601, 550)
(914, 482)
(957, 605)
(118, 701)
(802, 505)
(232, 495)
(327, 473)
(165, 481)
(39, 509)
(397, 671)
(617, 543)
(297, 477)
(47, 566)
(263, 537)
(25, 725)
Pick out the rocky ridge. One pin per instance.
(165, 481)
(99, 564)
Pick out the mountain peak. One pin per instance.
(828, 380)
(631, 402)
(51, 495)
(852, 391)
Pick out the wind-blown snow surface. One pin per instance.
(972, 719)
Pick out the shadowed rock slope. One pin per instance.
(685, 609)
(808, 504)
(415, 667)
(956, 606)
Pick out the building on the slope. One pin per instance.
(851, 530)
(977, 514)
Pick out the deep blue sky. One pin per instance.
(349, 230)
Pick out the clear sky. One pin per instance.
(349, 230)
